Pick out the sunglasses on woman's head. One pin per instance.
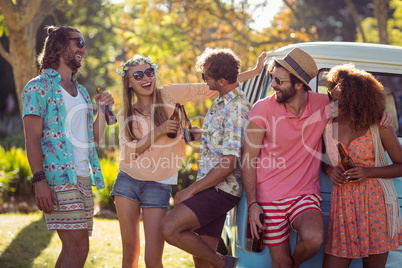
(80, 42)
(278, 80)
(138, 75)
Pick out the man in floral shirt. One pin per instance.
(196, 223)
(60, 136)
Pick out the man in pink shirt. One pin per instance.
(281, 160)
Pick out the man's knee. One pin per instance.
(167, 229)
(313, 240)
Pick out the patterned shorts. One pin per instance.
(279, 215)
(74, 208)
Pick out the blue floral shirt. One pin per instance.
(42, 96)
(224, 132)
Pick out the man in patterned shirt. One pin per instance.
(196, 223)
(60, 136)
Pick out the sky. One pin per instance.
(262, 16)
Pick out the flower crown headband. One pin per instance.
(137, 60)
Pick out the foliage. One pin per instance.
(26, 242)
(15, 140)
(110, 168)
(394, 26)
(15, 175)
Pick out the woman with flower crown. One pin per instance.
(150, 159)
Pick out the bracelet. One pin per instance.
(38, 176)
(255, 202)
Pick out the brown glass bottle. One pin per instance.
(346, 161)
(175, 116)
(109, 114)
(186, 126)
(257, 243)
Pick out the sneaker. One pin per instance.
(230, 262)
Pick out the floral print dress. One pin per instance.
(357, 224)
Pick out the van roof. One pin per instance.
(351, 51)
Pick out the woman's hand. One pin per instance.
(170, 126)
(336, 175)
(357, 174)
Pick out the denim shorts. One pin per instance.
(149, 194)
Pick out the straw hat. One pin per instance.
(301, 64)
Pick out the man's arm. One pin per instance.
(254, 72)
(252, 147)
(44, 197)
(217, 174)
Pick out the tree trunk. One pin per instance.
(355, 17)
(23, 57)
(23, 20)
(381, 14)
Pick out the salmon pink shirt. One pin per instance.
(165, 155)
(289, 160)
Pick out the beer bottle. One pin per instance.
(346, 161)
(186, 126)
(175, 116)
(109, 114)
(257, 243)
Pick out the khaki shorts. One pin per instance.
(74, 208)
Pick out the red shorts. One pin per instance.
(279, 216)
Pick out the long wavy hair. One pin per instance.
(130, 98)
(362, 96)
(56, 44)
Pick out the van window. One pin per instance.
(393, 94)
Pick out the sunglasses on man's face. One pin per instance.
(80, 42)
(278, 80)
(204, 78)
(138, 75)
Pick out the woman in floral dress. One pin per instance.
(365, 218)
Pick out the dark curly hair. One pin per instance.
(362, 96)
(222, 63)
(56, 44)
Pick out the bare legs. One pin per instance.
(372, 261)
(75, 248)
(177, 229)
(129, 214)
(310, 227)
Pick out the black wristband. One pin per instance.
(255, 202)
(38, 176)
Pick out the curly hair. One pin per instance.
(129, 98)
(56, 44)
(362, 96)
(221, 63)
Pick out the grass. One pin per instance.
(26, 242)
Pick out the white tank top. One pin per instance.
(77, 124)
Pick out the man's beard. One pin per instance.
(287, 94)
(71, 62)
